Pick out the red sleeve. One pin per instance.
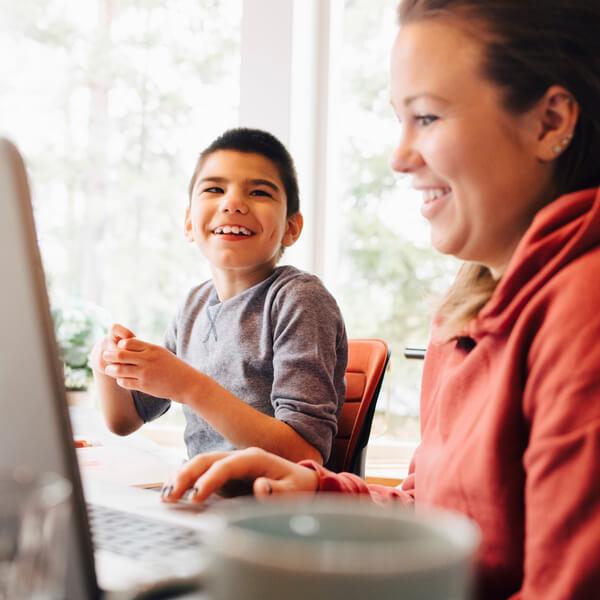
(347, 483)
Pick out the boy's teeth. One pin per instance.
(235, 229)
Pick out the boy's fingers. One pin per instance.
(133, 344)
(121, 371)
(122, 357)
(119, 332)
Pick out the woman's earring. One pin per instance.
(563, 144)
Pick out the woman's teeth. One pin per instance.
(432, 194)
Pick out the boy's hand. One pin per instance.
(266, 473)
(115, 335)
(139, 365)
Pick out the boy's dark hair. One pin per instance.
(256, 141)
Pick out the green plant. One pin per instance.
(77, 326)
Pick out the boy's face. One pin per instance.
(237, 215)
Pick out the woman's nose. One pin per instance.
(234, 202)
(405, 158)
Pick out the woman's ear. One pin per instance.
(293, 229)
(557, 114)
(187, 227)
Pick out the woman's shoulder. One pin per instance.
(565, 317)
(575, 287)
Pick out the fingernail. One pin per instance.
(269, 488)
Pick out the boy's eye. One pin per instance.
(425, 120)
(260, 193)
(212, 190)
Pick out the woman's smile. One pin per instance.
(434, 200)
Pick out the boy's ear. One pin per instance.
(557, 113)
(293, 229)
(187, 227)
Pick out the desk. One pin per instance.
(389, 481)
(134, 460)
(148, 456)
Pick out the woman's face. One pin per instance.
(474, 162)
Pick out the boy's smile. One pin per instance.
(238, 218)
(233, 232)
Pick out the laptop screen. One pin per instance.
(35, 428)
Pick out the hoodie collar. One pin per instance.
(560, 233)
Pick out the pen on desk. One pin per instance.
(84, 443)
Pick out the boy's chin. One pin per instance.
(237, 269)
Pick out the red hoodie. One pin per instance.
(510, 416)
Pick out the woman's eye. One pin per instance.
(425, 120)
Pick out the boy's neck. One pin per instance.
(231, 282)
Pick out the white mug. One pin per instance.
(336, 547)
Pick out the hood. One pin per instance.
(560, 233)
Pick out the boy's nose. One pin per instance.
(234, 203)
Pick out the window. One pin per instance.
(111, 102)
(387, 276)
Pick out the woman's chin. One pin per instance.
(444, 244)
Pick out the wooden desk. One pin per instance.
(389, 481)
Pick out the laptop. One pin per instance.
(160, 544)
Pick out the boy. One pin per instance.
(256, 355)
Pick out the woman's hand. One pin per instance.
(265, 472)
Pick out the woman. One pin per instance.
(499, 110)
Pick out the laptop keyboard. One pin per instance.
(138, 537)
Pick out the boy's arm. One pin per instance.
(117, 404)
(154, 370)
(309, 359)
(243, 425)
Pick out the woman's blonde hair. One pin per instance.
(470, 292)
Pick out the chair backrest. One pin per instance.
(367, 362)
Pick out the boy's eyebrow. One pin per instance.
(266, 182)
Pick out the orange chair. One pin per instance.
(367, 362)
